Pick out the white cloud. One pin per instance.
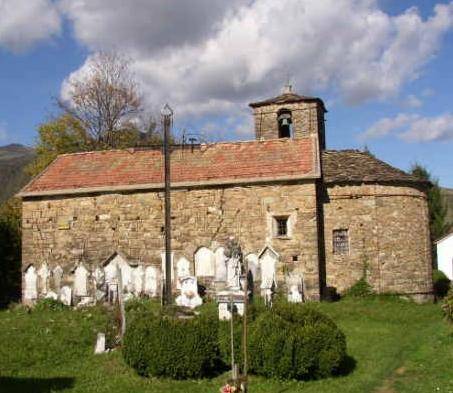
(26, 22)
(207, 57)
(413, 101)
(413, 128)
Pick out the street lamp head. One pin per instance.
(166, 110)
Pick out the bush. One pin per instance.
(447, 306)
(295, 342)
(49, 304)
(360, 289)
(172, 347)
(253, 311)
(441, 284)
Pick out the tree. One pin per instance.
(436, 205)
(10, 251)
(105, 100)
(63, 134)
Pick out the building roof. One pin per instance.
(218, 163)
(357, 166)
(287, 98)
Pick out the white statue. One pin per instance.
(233, 273)
(233, 253)
(189, 293)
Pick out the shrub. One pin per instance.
(360, 289)
(172, 347)
(253, 311)
(295, 342)
(441, 283)
(447, 306)
(49, 304)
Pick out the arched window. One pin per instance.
(285, 123)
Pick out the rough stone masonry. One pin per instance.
(327, 217)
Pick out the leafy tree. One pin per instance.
(436, 205)
(10, 251)
(63, 134)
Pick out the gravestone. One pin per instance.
(189, 293)
(268, 263)
(182, 270)
(31, 284)
(253, 265)
(163, 266)
(138, 280)
(99, 277)
(116, 267)
(51, 295)
(66, 295)
(228, 301)
(81, 281)
(295, 284)
(57, 277)
(151, 281)
(43, 278)
(100, 344)
(204, 263)
(220, 265)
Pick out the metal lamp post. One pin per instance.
(167, 118)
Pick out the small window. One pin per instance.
(281, 227)
(340, 241)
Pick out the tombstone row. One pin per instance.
(119, 276)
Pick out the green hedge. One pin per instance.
(289, 341)
(295, 342)
(172, 347)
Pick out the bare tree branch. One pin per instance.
(106, 99)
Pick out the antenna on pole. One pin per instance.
(167, 120)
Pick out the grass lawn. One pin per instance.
(396, 346)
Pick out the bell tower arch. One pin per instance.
(289, 115)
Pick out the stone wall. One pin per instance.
(388, 238)
(89, 229)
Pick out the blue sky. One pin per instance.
(382, 67)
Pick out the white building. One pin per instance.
(445, 255)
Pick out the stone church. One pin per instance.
(322, 219)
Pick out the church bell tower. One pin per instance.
(289, 115)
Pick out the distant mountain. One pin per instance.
(13, 159)
(447, 193)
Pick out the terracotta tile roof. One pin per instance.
(286, 98)
(357, 166)
(211, 163)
